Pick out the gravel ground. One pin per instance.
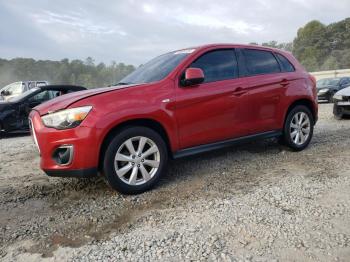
(257, 202)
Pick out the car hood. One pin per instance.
(344, 92)
(65, 101)
(328, 86)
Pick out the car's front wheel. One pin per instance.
(298, 128)
(338, 112)
(135, 159)
(330, 97)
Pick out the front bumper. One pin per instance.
(79, 173)
(84, 161)
(324, 96)
(341, 107)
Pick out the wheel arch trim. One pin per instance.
(145, 122)
(305, 102)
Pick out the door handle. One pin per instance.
(239, 91)
(284, 82)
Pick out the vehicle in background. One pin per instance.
(181, 103)
(14, 112)
(341, 105)
(18, 88)
(327, 87)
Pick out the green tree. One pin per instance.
(323, 47)
(78, 72)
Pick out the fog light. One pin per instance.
(63, 155)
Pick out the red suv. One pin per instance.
(178, 104)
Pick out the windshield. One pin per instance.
(328, 82)
(156, 69)
(23, 95)
(14, 88)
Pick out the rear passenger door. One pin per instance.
(266, 84)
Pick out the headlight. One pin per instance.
(323, 90)
(68, 118)
(338, 97)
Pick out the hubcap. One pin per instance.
(300, 128)
(137, 160)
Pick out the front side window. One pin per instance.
(259, 62)
(286, 65)
(41, 97)
(217, 65)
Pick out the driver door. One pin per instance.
(29, 104)
(210, 112)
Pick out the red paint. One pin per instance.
(190, 116)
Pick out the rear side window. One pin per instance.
(217, 65)
(286, 65)
(260, 62)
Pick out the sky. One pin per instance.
(133, 31)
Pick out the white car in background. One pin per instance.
(342, 103)
(18, 88)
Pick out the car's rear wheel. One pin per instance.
(298, 128)
(135, 159)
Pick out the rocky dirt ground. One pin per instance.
(255, 202)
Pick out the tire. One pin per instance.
(2, 133)
(330, 98)
(296, 136)
(129, 171)
(338, 112)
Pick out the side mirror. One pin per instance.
(5, 93)
(193, 76)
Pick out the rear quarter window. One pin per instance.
(286, 65)
(259, 62)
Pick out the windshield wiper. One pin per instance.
(123, 84)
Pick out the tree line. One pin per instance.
(76, 72)
(320, 47)
(316, 46)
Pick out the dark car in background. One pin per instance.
(14, 112)
(18, 88)
(341, 106)
(327, 87)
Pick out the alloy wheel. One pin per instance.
(300, 128)
(137, 160)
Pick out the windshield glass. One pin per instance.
(14, 88)
(328, 82)
(156, 69)
(24, 95)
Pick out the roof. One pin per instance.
(233, 46)
(62, 87)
